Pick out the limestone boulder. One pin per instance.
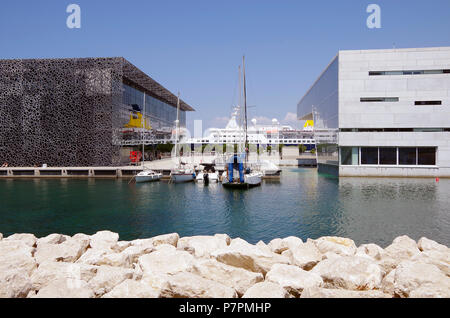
(350, 272)
(107, 278)
(430, 291)
(372, 250)
(16, 255)
(437, 257)
(425, 245)
(293, 278)
(189, 285)
(167, 260)
(68, 251)
(94, 256)
(402, 248)
(280, 245)
(169, 239)
(50, 271)
(202, 246)
(410, 276)
(28, 239)
(66, 288)
(305, 255)
(1, 236)
(234, 277)
(134, 252)
(338, 245)
(318, 292)
(266, 290)
(250, 257)
(52, 239)
(130, 288)
(121, 246)
(14, 283)
(387, 284)
(104, 240)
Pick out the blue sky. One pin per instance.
(196, 46)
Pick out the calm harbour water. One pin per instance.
(303, 204)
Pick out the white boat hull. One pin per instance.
(182, 177)
(212, 176)
(145, 176)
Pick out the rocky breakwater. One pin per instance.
(100, 265)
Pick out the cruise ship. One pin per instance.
(274, 134)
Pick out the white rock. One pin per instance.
(188, 285)
(66, 288)
(28, 239)
(278, 246)
(49, 271)
(292, 242)
(317, 292)
(430, 291)
(133, 289)
(134, 252)
(104, 240)
(14, 283)
(165, 261)
(293, 278)
(304, 255)
(107, 278)
(266, 290)
(338, 245)
(413, 275)
(425, 244)
(234, 277)
(435, 257)
(350, 272)
(121, 246)
(372, 250)
(1, 236)
(52, 239)
(402, 248)
(250, 257)
(68, 251)
(202, 246)
(16, 255)
(387, 284)
(94, 256)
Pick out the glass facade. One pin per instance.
(160, 115)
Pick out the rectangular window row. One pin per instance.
(394, 156)
(417, 72)
(396, 99)
(394, 130)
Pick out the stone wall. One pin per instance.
(100, 265)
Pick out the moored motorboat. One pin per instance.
(182, 175)
(207, 177)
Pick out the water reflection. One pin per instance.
(303, 204)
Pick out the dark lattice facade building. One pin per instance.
(78, 112)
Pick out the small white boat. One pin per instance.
(207, 177)
(147, 176)
(182, 175)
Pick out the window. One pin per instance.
(349, 156)
(426, 156)
(388, 156)
(416, 72)
(428, 102)
(369, 156)
(407, 156)
(379, 99)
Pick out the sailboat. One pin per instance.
(182, 172)
(146, 175)
(238, 173)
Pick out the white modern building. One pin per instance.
(382, 113)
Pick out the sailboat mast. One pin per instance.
(245, 110)
(240, 111)
(143, 134)
(177, 124)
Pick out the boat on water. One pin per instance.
(206, 177)
(148, 176)
(238, 173)
(182, 172)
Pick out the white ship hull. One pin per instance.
(212, 176)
